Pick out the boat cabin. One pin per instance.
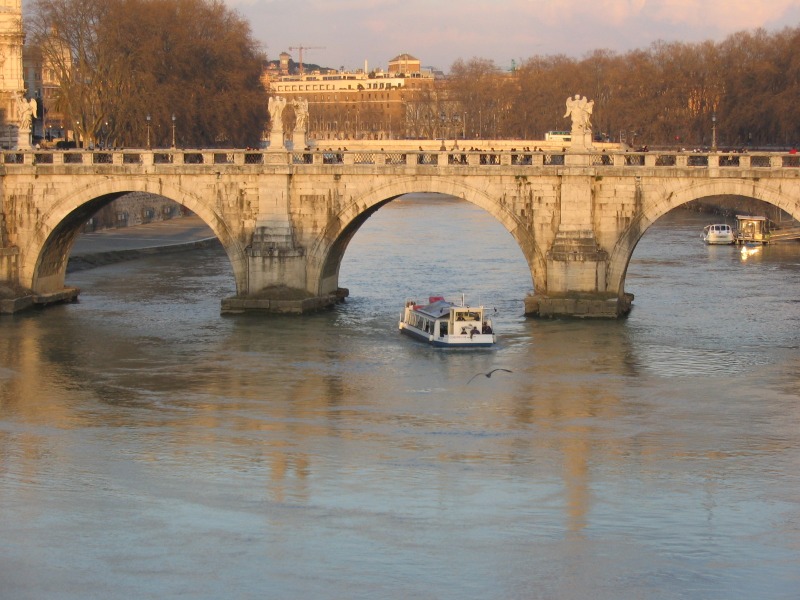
(752, 229)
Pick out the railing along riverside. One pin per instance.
(167, 158)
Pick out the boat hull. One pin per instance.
(479, 340)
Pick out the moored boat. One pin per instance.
(445, 324)
(752, 229)
(718, 233)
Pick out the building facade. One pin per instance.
(361, 104)
(11, 77)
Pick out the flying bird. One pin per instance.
(487, 375)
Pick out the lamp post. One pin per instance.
(713, 132)
(76, 135)
(173, 131)
(148, 131)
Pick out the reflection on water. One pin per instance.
(151, 448)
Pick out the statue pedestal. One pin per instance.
(24, 139)
(299, 141)
(581, 140)
(276, 142)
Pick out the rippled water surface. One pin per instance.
(151, 448)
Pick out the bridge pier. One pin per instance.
(576, 281)
(277, 275)
(576, 264)
(578, 305)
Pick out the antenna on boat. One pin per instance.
(462, 298)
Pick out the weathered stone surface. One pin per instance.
(578, 306)
(11, 305)
(285, 220)
(282, 300)
(67, 294)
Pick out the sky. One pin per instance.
(345, 33)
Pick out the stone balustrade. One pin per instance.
(393, 158)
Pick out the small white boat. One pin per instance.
(445, 324)
(718, 233)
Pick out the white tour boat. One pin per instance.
(718, 233)
(445, 324)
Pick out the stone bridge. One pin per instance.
(285, 218)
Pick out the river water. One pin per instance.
(151, 448)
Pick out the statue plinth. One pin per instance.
(299, 140)
(581, 140)
(276, 141)
(24, 139)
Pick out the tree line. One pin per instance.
(118, 61)
(745, 87)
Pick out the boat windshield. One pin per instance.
(467, 315)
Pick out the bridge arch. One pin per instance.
(327, 251)
(44, 258)
(660, 202)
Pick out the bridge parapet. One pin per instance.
(444, 158)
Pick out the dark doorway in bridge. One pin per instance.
(433, 244)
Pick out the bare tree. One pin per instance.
(118, 61)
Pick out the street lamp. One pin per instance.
(173, 131)
(148, 131)
(713, 132)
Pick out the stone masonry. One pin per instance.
(285, 218)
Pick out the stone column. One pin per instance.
(576, 265)
(274, 257)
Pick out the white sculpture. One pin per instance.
(276, 106)
(26, 111)
(580, 109)
(301, 123)
(301, 113)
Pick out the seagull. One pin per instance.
(487, 375)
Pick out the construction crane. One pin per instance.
(300, 49)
